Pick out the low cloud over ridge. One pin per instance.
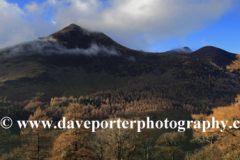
(48, 46)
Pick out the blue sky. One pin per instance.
(150, 25)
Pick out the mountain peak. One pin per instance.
(187, 49)
(72, 26)
(210, 51)
(73, 36)
(214, 54)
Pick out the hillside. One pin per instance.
(75, 62)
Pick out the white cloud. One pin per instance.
(48, 46)
(52, 2)
(33, 7)
(139, 23)
(14, 28)
(134, 23)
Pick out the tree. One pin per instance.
(147, 148)
(36, 142)
(71, 146)
(168, 146)
(201, 154)
(226, 143)
(116, 143)
(73, 143)
(201, 137)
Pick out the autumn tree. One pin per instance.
(225, 144)
(72, 144)
(33, 105)
(37, 141)
(200, 136)
(168, 146)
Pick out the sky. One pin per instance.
(148, 25)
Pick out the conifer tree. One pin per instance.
(225, 144)
(36, 142)
(72, 144)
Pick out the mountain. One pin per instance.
(215, 55)
(75, 62)
(73, 36)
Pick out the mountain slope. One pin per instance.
(75, 62)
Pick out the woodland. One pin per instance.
(119, 144)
